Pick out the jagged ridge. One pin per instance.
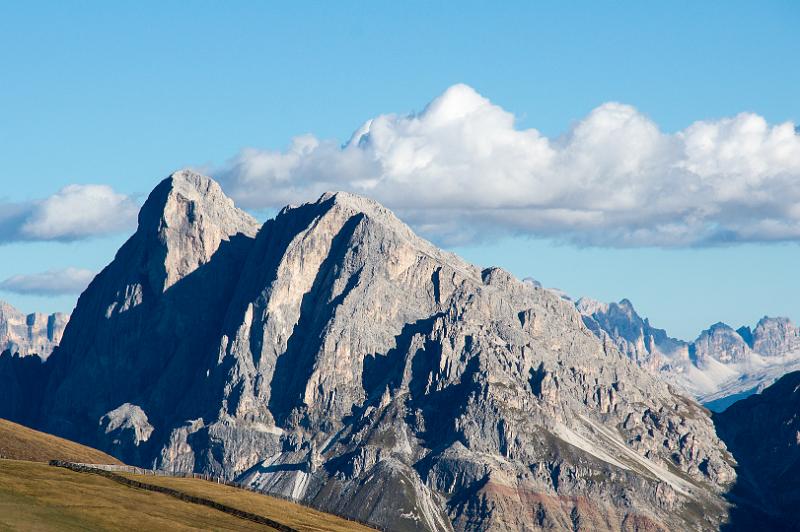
(334, 356)
(30, 334)
(719, 367)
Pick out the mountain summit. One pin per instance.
(333, 356)
(720, 367)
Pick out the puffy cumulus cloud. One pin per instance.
(49, 283)
(460, 170)
(73, 213)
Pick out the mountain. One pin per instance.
(25, 341)
(144, 329)
(331, 355)
(719, 367)
(648, 346)
(30, 334)
(763, 432)
(37, 496)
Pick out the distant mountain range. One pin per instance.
(333, 356)
(720, 367)
(29, 334)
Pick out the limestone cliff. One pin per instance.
(29, 334)
(719, 367)
(333, 356)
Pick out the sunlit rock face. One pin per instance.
(30, 334)
(775, 337)
(141, 330)
(333, 356)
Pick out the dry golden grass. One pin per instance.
(35, 496)
(285, 512)
(21, 443)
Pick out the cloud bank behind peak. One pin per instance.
(49, 283)
(460, 171)
(75, 212)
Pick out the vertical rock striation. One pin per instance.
(335, 357)
(140, 332)
(29, 334)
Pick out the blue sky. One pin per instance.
(122, 94)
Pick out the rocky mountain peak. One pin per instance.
(646, 345)
(627, 306)
(146, 318)
(334, 356)
(347, 205)
(775, 336)
(720, 342)
(720, 366)
(589, 306)
(184, 220)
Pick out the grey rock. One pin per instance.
(335, 357)
(141, 328)
(775, 337)
(126, 423)
(29, 334)
(646, 345)
(720, 366)
(721, 343)
(125, 429)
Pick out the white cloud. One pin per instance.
(73, 213)
(461, 170)
(49, 283)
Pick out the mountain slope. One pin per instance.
(36, 496)
(41, 497)
(139, 328)
(334, 356)
(22, 443)
(763, 432)
(719, 367)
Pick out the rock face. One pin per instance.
(141, 331)
(719, 367)
(721, 343)
(646, 345)
(29, 334)
(774, 337)
(335, 357)
(763, 432)
(127, 426)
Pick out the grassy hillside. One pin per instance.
(285, 512)
(35, 496)
(21, 443)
